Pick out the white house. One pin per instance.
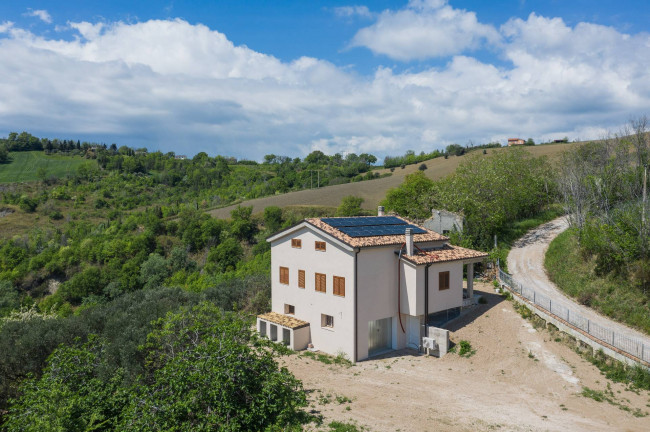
(363, 285)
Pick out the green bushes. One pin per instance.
(577, 275)
(183, 363)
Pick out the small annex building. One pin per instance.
(444, 222)
(362, 286)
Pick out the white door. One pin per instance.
(413, 340)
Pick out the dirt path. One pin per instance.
(518, 380)
(526, 264)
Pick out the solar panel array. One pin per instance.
(372, 226)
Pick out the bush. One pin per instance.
(422, 167)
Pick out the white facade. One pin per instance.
(372, 300)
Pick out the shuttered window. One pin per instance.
(321, 282)
(339, 286)
(301, 278)
(284, 275)
(320, 246)
(296, 243)
(443, 280)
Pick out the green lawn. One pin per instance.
(24, 165)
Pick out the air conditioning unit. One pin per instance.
(429, 343)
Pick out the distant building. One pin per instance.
(443, 222)
(180, 157)
(515, 141)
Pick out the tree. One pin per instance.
(350, 206)
(9, 298)
(530, 142)
(4, 153)
(153, 271)
(242, 227)
(272, 218)
(413, 198)
(210, 370)
(226, 255)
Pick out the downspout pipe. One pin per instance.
(399, 287)
(426, 300)
(356, 312)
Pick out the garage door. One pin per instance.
(380, 336)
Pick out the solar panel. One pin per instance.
(372, 226)
(379, 230)
(363, 221)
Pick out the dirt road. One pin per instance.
(526, 264)
(519, 379)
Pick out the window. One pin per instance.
(443, 280)
(296, 243)
(320, 246)
(339, 286)
(326, 320)
(284, 275)
(321, 282)
(301, 278)
(289, 309)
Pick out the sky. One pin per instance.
(250, 78)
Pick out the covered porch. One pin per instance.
(285, 329)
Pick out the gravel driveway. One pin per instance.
(526, 264)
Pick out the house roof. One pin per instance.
(444, 254)
(284, 320)
(381, 240)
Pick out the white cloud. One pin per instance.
(424, 29)
(351, 11)
(182, 87)
(41, 14)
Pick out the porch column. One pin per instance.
(470, 280)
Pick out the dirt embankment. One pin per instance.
(518, 379)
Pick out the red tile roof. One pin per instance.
(446, 253)
(384, 240)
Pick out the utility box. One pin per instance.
(441, 338)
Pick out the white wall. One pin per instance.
(412, 289)
(309, 304)
(453, 297)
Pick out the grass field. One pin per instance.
(373, 191)
(612, 297)
(24, 166)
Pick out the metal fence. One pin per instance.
(631, 346)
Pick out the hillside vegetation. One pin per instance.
(36, 165)
(375, 191)
(601, 185)
(100, 270)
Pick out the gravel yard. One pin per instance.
(519, 379)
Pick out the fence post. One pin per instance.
(534, 302)
(550, 306)
(568, 311)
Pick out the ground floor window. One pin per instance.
(326, 320)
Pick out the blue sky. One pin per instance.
(258, 77)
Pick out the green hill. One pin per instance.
(373, 191)
(23, 166)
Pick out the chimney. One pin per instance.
(409, 241)
(380, 211)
